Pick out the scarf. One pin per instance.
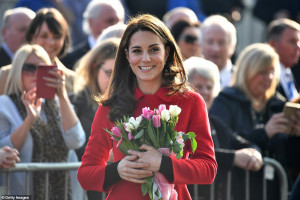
(48, 146)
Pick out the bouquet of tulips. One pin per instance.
(155, 128)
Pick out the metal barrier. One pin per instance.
(268, 162)
(31, 167)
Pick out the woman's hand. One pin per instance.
(149, 155)
(131, 170)
(248, 159)
(58, 82)
(8, 157)
(33, 106)
(277, 124)
(295, 122)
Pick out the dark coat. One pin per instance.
(4, 58)
(78, 51)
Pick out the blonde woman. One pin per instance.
(252, 108)
(41, 130)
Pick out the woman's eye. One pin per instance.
(155, 49)
(136, 51)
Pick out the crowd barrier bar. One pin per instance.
(31, 167)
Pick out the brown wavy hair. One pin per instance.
(120, 93)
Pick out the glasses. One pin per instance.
(29, 68)
(189, 39)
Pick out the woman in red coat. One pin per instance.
(148, 72)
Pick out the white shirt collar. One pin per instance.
(226, 74)
(92, 41)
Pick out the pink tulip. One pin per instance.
(130, 136)
(116, 131)
(118, 144)
(161, 107)
(147, 113)
(156, 121)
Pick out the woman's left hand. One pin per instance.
(295, 121)
(149, 155)
(58, 81)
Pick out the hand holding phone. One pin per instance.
(44, 91)
(289, 110)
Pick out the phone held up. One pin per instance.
(288, 110)
(42, 90)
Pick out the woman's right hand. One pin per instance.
(277, 124)
(32, 104)
(133, 171)
(8, 157)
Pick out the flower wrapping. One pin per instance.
(155, 128)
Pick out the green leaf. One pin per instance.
(139, 134)
(151, 134)
(144, 189)
(193, 141)
(194, 144)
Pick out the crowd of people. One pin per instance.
(117, 63)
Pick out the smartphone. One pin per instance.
(288, 110)
(42, 90)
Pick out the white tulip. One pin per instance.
(174, 110)
(165, 115)
(133, 124)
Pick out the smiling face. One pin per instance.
(204, 87)
(29, 78)
(261, 82)
(49, 41)
(147, 55)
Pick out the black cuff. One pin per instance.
(111, 175)
(166, 168)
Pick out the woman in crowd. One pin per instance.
(187, 36)
(232, 151)
(50, 30)
(148, 72)
(252, 108)
(41, 130)
(92, 76)
(93, 73)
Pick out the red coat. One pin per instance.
(200, 168)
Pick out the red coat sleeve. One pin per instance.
(91, 173)
(201, 168)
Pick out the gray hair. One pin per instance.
(205, 68)
(94, 10)
(116, 30)
(223, 23)
(20, 10)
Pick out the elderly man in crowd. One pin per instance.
(284, 36)
(98, 15)
(218, 44)
(15, 23)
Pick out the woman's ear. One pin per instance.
(127, 54)
(167, 52)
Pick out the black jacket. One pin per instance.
(234, 109)
(78, 51)
(4, 58)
